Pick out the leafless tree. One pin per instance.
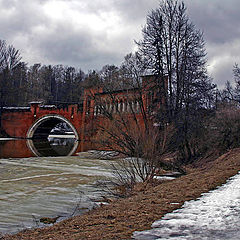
(231, 92)
(9, 56)
(227, 94)
(9, 59)
(125, 125)
(172, 46)
(236, 74)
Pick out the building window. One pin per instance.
(121, 106)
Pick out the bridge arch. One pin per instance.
(41, 129)
(43, 126)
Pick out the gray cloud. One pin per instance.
(217, 18)
(219, 21)
(18, 17)
(90, 34)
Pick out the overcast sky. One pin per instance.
(92, 33)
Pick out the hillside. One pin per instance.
(119, 219)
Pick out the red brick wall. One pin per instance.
(16, 123)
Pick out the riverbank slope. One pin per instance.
(121, 218)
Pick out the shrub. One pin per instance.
(222, 131)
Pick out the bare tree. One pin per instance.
(231, 92)
(173, 47)
(227, 94)
(132, 69)
(9, 56)
(9, 60)
(125, 125)
(236, 74)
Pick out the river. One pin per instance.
(33, 187)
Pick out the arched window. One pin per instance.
(88, 105)
(103, 108)
(112, 108)
(95, 110)
(116, 106)
(107, 106)
(125, 106)
(130, 105)
(121, 106)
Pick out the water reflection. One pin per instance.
(38, 180)
(52, 146)
(14, 149)
(31, 188)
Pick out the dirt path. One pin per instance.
(119, 219)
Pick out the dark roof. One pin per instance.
(118, 91)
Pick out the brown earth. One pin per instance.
(121, 218)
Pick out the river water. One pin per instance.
(33, 187)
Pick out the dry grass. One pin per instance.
(119, 219)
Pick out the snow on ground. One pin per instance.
(164, 178)
(215, 215)
(6, 139)
(16, 108)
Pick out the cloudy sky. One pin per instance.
(92, 33)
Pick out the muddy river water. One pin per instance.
(35, 187)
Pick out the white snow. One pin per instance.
(215, 215)
(16, 108)
(6, 139)
(163, 178)
(61, 136)
(48, 106)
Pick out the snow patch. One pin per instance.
(165, 178)
(215, 215)
(16, 108)
(7, 139)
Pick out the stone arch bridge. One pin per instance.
(37, 121)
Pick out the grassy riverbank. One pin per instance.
(119, 219)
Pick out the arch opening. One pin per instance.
(52, 135)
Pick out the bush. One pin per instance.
(223, 130)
